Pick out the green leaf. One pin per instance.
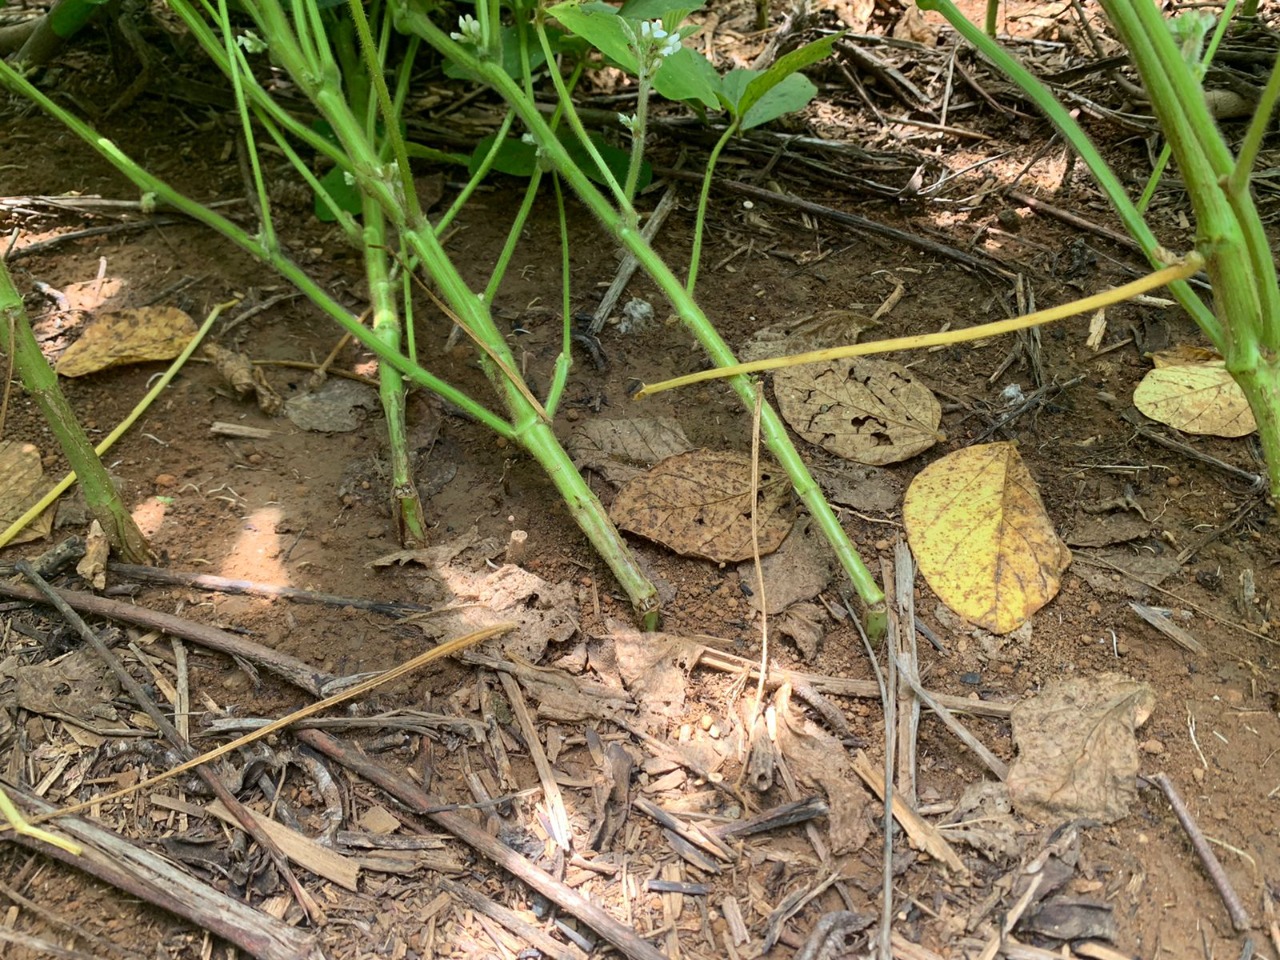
(657, 10)
(783, 68)
(519, 159)
(515, 157)
(732, 86)
(345, 196)
(599, 24)
(510, 57)
(617, 160)
(688, 75)
(788, 96)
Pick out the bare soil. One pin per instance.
(311, 510)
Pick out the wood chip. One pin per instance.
(301, 849)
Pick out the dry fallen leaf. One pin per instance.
(1077, 753)
(980, 533)
(1195, 398)
(97, 549)
(831, 328)
(620, 450)
(20, 487)
(798, 570)
(128, 336)
(866, 410)
(699, 505)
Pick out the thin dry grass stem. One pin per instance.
(755, 550)
(892, 641)
(446, 649)
(556, 813)
(908, 667)
(182, 709)
(908, 671)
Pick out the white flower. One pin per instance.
(468, 30)
(251, 42)
(656, 43)
(527, 138)
(652, 30)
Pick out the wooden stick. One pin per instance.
(924, 836)
(556, 813)
(839, 686)
(142, 874)
(297, 672)
(205, 771)
(626, 940)
(521, 927)
(1239, 916)
(208, 581)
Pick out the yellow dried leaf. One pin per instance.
(982, 538)
(699, 504)
(128, 336)
(1196, 398)
(21, 485)
(865, 410)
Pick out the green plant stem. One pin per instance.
(216, 51)
(528, 424)
(1085, 149)
(566, 104)
(1166, 152)
(406, 505)
(390, 118)
(1240, 263)
(39, 380)
(772, 428)
(704, 196)
(564, 362)
(474, 181)
(267, 231)
(993, 18)
(639, 131)
(1258, 127)
(149, 183)
(513, 237)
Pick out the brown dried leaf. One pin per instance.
(816, 757)
(235, 368)
(128, 336)
(866, 410)
(800, 569)
(699, 505)
(653, 667)
(621, 450)
(21, 473)
(1077, 753)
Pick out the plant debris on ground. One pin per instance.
(1085, 738)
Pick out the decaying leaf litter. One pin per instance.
(654, 744)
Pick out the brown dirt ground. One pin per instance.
(307, 509)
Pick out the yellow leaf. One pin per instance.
(982, 538)
(1196, 398)
(128, 336)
